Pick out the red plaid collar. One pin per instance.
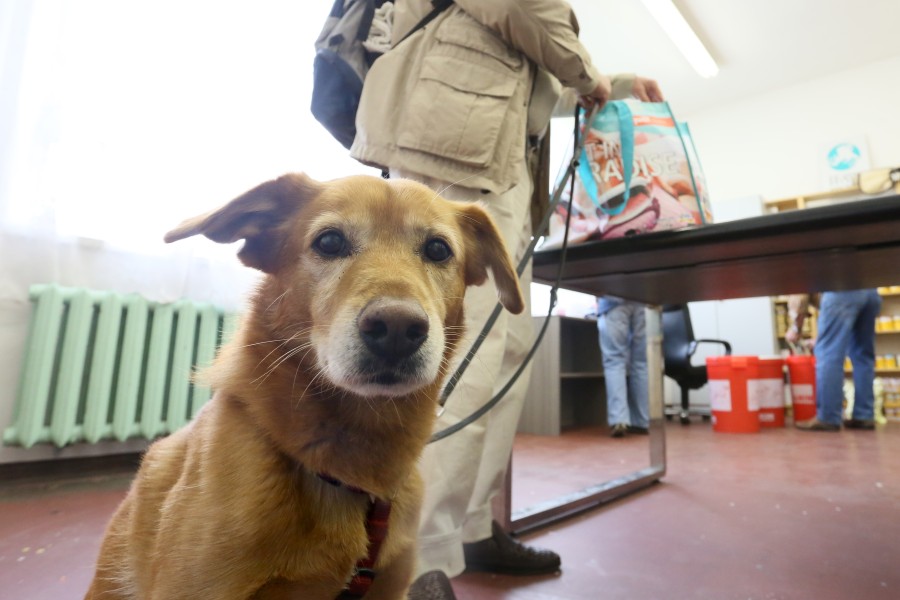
(377, 518)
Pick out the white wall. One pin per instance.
(769, 144)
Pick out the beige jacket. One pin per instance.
(452, 101)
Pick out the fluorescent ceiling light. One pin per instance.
(668, 17)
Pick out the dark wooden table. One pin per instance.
(852, 245)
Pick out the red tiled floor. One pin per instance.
(50, 532)
(546, 467)
(780, 515)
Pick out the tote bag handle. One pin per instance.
(626, 139)
(625, 120)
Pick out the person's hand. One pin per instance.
(792, 336)
(646, 90)
(599, 95)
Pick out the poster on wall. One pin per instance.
(842, 160)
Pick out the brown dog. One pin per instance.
(324, 400)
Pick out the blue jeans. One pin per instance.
(846, 328)
(623, 345)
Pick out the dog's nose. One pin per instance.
(393, 329)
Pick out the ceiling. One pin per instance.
(760, 45)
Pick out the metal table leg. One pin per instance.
(554, 510)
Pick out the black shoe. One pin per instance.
(859, 423)
(433, 585)
(618, 430)
(502, 554)
(638, 430)
(815, 424)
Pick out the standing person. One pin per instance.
(460, 106)
(846, 328)
(623, 349)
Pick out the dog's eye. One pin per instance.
(332, 243)
(437, 250)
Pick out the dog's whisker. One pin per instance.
(273, 341)
(319, 374)
(277, 363)
(280, 341)
(275, 349)
(393, 403)
(450, 185)
(300, 364)
(277, 300)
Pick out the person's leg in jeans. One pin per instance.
(837, 315)
(862, 356)
(615, 332)
(638, 385)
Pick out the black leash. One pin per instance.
(569, 177)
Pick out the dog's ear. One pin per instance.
(485, 248)
(260, 217)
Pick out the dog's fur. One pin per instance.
(232, 506)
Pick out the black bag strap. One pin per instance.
(439, 7)
(568, 177)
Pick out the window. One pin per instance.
(129, 116)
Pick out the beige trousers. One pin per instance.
(466, 470)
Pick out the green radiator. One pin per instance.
(103, 366)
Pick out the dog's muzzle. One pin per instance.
(390, 350)
(393, 330)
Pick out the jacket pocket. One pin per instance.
(462, 31)
(456, 110)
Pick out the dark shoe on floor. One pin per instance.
(859, 423)
(433, 585)
(502, 554)
(815, 424)
(618, 430)
(638, 430)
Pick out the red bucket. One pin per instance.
(733, 409)
(802, 374)
(769, 391)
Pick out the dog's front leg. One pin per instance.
(106, 590)
(280, 589)
(393, 580)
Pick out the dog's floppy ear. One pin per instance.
(485, 248)
(260, 217)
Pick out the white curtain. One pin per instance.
(120, 118)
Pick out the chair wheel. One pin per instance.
(706, 418)
(668, 417)
(684, 419)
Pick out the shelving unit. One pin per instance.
(800, 202)
(885, 179)
(567, 386)
(887, 344)
(782, 322)
(887, 350)
(887, 341)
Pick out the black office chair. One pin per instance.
(679, 346)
